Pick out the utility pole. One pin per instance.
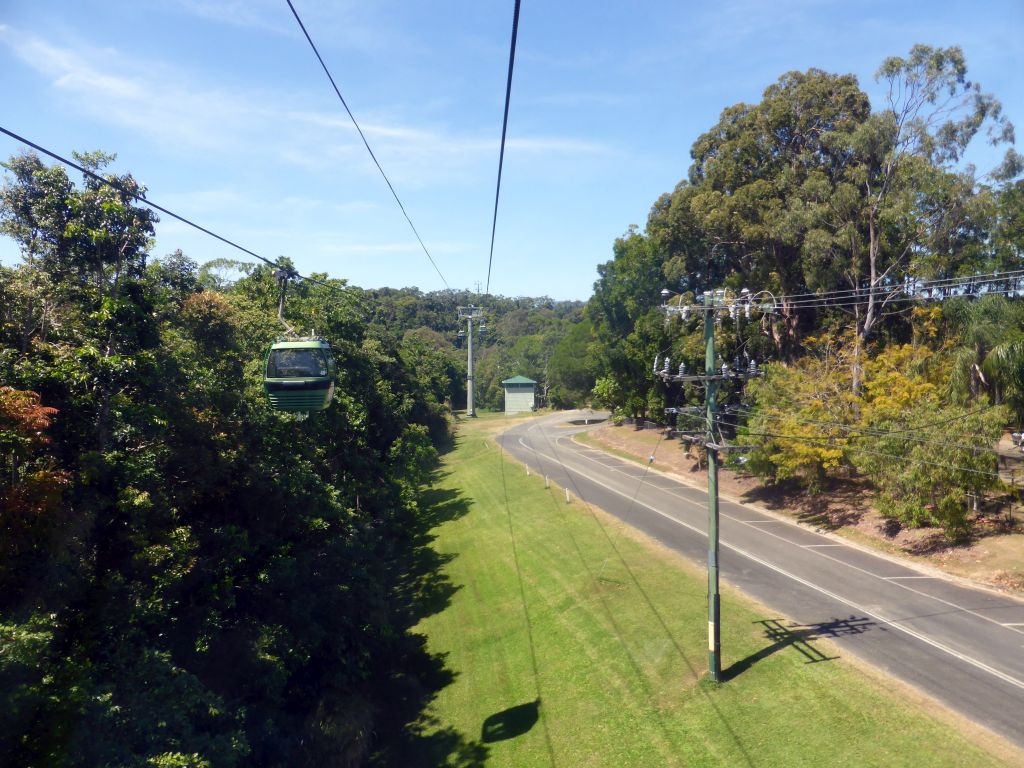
(712, 303)
(718, 303)
(714, 612)
(469, 314)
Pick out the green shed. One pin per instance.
(519, 394)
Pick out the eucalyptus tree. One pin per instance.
(1008, 234)
(811, 191)
(762, 177)
(914, 193)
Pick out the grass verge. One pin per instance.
(576, 642)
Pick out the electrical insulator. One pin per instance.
(682, 369)
(656, 363)
(733, 312)
(666, 368)
(725, 369)
(753, 367)
(686, 312)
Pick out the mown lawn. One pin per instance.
(612, 643)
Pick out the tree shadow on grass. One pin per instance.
(412, 738)
(424, 589)
(408, 736)
(799, 637)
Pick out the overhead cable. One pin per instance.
(135, 195)
(977, 285)
(971, 286)
(869, 432)
(910, 283)
(526, 608)
(830, 443)
(504, 130)
(366, 143)
(141, 198)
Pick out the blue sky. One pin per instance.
(220, 108)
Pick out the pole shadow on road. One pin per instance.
(799, 636)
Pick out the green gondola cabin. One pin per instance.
(299, 375)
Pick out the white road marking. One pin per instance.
(835, 559)
(856, 606)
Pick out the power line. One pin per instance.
(614, 623)
(570, 478)
(911, 284)
(868, 432)
(907, 285)
(884, 306)
(947, 291)
(944, 422)
(526, 609)
(830, 443)
(504, 129)
(366, 143)
(945, 288)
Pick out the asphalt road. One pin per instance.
(961, 645)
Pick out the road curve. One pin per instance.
(961, 645)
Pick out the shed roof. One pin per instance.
(519, 380)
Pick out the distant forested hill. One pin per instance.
(541, 338)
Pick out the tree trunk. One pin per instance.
(856, 367)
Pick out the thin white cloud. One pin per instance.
(418, 141)
(369, 249)
(259, 14)
(150, 102)
(579, 61)
(580, 99)
(170, 108)
(234, 203)
(349, 24)
(330, 246)
(552, 145)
